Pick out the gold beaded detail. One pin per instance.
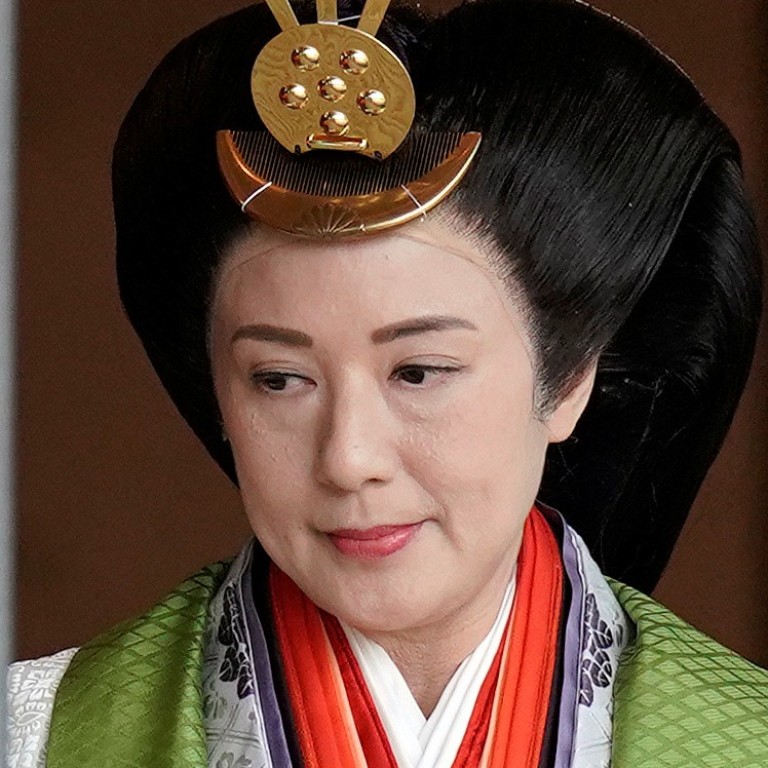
(306, 58)
(354, 61)
(294, 96)
(332, 88)
(372, 102)
(334, 123)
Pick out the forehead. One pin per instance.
(412, 252)
(342, 287)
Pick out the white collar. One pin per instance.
(418, 741)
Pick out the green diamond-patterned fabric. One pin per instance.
(683, 700)
(131, 698)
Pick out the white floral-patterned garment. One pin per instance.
(31, 691)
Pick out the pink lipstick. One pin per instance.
(373, 543)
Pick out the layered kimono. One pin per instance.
(238, 669)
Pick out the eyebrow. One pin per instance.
(419, 325)
(410, 327)
(274, 333)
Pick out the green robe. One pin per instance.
(132, 697)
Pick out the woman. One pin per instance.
(555, 306)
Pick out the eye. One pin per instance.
(422, 375)
(278, 381)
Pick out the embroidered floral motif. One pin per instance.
(596, 667)
(215, 707)
(31, 691)
(236, 666)
(234, 728)
(228, 760)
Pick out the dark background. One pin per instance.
(117, 501)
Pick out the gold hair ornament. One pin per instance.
(326, 86)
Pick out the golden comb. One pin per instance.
(331, 195)
(327, 86)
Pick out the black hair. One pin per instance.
(613, 191)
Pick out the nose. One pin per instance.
(357, 444)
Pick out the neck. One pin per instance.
(429, 655)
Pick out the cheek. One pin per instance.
(273, 466)
(272, 488)
(484, 439)
(482, 465)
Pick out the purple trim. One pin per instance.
(569, 699)
(273, 721)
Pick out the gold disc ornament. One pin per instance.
(329, 86)
(332, 87)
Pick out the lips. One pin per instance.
(373, 543)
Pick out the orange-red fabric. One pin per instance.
(322, 721)
(335, 715)
(528, 667)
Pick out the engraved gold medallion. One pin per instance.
(309, 65)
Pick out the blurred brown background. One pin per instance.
(117, 501)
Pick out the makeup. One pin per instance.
(374, 543)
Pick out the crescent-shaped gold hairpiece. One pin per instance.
(328, 86)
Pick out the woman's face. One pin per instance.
(378, 395)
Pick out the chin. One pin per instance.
(379, 609)
(381, 622)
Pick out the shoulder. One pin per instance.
(32, 688)
(153, 660)
(682, 695)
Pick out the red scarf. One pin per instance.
(336, 720)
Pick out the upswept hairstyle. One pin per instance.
(613, 192)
